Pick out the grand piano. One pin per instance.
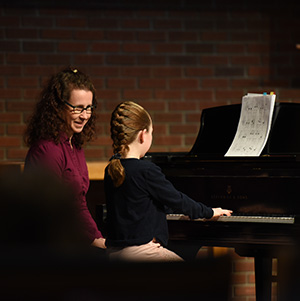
(263, 191)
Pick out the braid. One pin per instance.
(127, 120)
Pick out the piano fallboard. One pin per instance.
(257, 186)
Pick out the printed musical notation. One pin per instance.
(254, 125)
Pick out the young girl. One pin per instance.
(138, 194)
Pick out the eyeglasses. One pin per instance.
(80, 109)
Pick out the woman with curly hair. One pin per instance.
(63, 120)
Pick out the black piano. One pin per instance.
(263, 192)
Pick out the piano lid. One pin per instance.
(218, 126)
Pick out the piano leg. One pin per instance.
(263, 277)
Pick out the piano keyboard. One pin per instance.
(240, 218)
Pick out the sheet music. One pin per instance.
(254, 125)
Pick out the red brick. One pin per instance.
(168, 48)
(10, 117)
(9, 141)
(11, 70)
(37, 22)
(152, 83)
(245, 36)
(31, 93)
(183, 60)
(151, 60)
(159, 129)
(259, 71)
(38, 46)
(231, 48)
(88, 59)
(199, 71)
(166, 72)
(2, 155)
(121, 83)
(54, 59)
(137, 94)
(229, 71)
(244, 266)
(244, 83)
(168, 117)
(156, 106)
(89, 35)
(214, 60)
(246, 60)
(94, 154)
(135, 71)
(21, 58)
(168, 94)
(193, 117)
(183, 129)
(10, 20)
(108, 94)
(183, 83)
(105, 47)
(22, 82)
(10, 46)
(120, 59)
(183, 36)
(20, 106)
(183, 105)
(167, 141)
(258, 48)
(15, 129)
(105, 71)
(37, 70)
(72, 47)
(120, 35)
(244, 291)
(198, 95)
(57, 34)
(215, 36)
(151, 36)
(21, 33)
(199, 48)
(101, 141)
(16, 154)
(167, 24)
(136, 47)
(230, 95)
(215, 83)
(145, 24)
(71, 22)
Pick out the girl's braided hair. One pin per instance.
(127, 120)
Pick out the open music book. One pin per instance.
(254, 125)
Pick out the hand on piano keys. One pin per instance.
(239, 218)
(220, 212)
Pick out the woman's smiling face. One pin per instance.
(75, 122)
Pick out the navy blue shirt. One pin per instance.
(136, 210)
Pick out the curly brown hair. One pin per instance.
(47, 121)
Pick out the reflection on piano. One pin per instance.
(262, 191)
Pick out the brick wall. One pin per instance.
(174, 61)
(173, 57)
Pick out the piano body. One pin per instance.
(262, 191)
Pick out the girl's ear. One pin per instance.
(141, 136)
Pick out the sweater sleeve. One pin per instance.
(163, 191)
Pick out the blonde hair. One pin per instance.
(127, 120)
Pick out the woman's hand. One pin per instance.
(99, 243)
